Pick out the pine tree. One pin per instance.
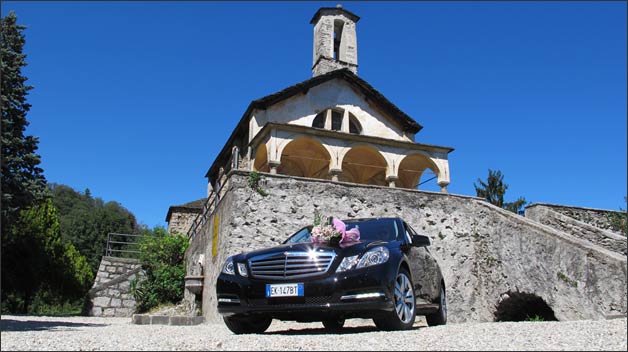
(23, 183)
(494, 189)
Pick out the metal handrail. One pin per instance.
(124, 246)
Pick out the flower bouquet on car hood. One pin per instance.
(332, 230)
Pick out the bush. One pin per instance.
(162, 258)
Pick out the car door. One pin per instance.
(424, 267)
(417, 262)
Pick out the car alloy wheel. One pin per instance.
(404, 312)
(404, 298)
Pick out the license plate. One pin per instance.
(284, 290)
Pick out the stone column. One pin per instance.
(334, 174)
(443, 187)
(345, 121)
(328, 119)
(391, 181)
(273, 166)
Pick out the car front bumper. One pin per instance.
(356, 293)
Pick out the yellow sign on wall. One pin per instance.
(215, 237)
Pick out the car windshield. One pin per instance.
(370, 230)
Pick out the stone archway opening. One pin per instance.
(523, 306)
(305, 157)
(416, 169)
(365, 165)
(261, 159)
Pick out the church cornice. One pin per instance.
(320, 132)
(371, 94)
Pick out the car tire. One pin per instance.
(333, 324)
(440, 317)
(403, 315)
(247, 325)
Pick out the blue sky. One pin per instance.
(134, 100)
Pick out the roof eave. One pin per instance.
(350, 15)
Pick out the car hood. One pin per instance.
(343, 250)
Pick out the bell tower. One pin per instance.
(335, 40)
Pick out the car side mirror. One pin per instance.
(420, 241)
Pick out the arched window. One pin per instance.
(319, 120)
(338, 26)
(336, 120)
(354, 125)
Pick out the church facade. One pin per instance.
(333, 126)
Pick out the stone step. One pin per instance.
(150, 319)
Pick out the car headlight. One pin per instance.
(228, 267)
(377, 255)
(347, 263)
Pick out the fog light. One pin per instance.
(242, 269)
(228, 300)
(363, 296)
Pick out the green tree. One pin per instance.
(23, 183)
(494, 189)
(38, 261)
(85, 221)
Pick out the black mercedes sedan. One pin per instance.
(385, 273)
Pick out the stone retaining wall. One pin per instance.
(483, 250)
(181, 220)
(554, 216)
(110, 296)
(598, 218)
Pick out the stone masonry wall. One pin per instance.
(594, 217)
(181, 221)
(547, 215)
(110, 295)
(483, 250)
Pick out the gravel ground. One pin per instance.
(90, 333)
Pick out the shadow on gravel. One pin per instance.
(323, 331)
(34, 325)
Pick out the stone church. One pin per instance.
(333, 126)
(334, 143)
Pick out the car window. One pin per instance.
(412, 230)
(376, 229)
(302, 235)
(408, 232)
(370, 230)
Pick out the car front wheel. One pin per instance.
(247, 325)
(404, 314)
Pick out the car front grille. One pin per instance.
(291, 265)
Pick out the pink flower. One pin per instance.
(352, 235)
